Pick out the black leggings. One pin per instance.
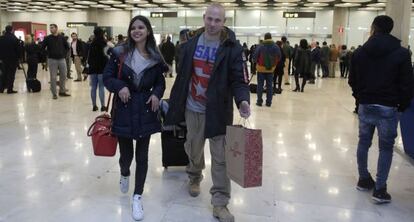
(277, 78)
(305, 78)
(344, 69)
(126, 149)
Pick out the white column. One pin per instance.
(400, 12)
(340, 22)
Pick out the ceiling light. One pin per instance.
(370, 9)
(100, 6)
(344, 5)
(321, 1)
(110, 2)
(254, 1)
(356, 1)
(288, 1)
(285, 4)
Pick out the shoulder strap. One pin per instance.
(120, 64)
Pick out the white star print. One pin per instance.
(200, 90)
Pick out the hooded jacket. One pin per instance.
(267, 56)
(134, 119)
(227, 81)
(381, 73)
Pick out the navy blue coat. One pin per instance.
(134, 119)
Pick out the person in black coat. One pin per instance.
(278, 73)
(96, 62)
(382, 81)
(184, 36)
(302, 64)
(315, 61)
(134, 73)
(9, 55)
(33, 52)
(168, 52)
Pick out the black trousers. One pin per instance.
(32, 70)
(277, 78)
(305, 78)
(344, 69)
(126, 148)
(10, 68)
(325, 69)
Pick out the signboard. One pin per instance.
(164, 14)
(79, 24)
(299, 14)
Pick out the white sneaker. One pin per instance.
(137, 208)
(124, 184)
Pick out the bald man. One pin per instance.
(209, 77)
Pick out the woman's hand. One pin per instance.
(155, 102)
(124, 94)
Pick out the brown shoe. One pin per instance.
(223, 214)
(194, 188)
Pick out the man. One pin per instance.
(9, 55)
(68, 58)
(121, 40)
(209, 77)
(76, 52)
(56, 47)
(318, 66)
(315, 60)
(184, 36)
(325, 55)
(168, 52)
(333, 59)
(266, 56)
(286, 50)
(382, 81)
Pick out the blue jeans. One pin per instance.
(261, 77)
(95, 81)
(385, 119)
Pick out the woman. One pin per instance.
(278, 73)
(302, 63)
(96, 61)
(138, 91)
(344, 61)
(32, 56)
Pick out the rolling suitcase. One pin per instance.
(33, 85)
(172, 141)
(173, 153)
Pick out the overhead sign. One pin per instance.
(164, 14)
(299, 14)
(80, 24)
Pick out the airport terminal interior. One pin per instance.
(48, 171)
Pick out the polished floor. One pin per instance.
(48, 171)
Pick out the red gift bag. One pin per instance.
(244, 155)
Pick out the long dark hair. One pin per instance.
(150, 45)
(303, 44)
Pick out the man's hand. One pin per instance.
(244, 109)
